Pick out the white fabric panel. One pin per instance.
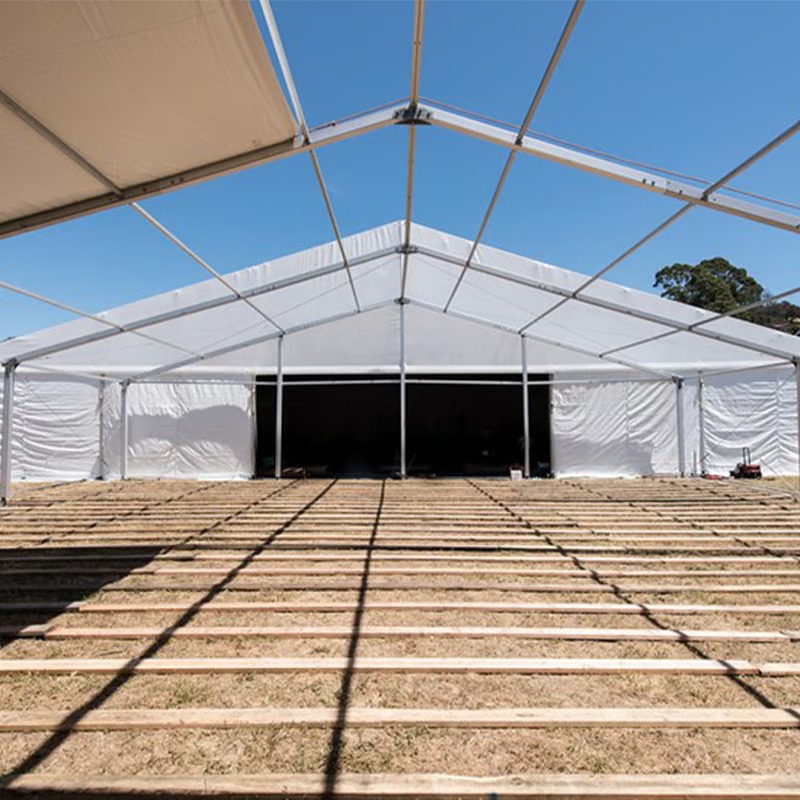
(440, 342)
(182, 431)
(609, 429)
(143, 90)
(497, 301)
(508, 304)
(56, 429)
(368, 341)
(755, 409)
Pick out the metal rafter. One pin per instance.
(283, 62)
(268, 337)
(523, 129)
(186, 311)
(704, 197)
(416, 66)
(201, 262)
(732, 313)
(113, 326)
(608, 168)
(632, 365)
(608, 305)
(64, 147)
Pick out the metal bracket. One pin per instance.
(402, 301)
(406, 249)
(413, 115)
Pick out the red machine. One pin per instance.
(746, 469)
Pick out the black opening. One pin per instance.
(453, 428)
(459, 428)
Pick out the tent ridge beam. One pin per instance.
(330, 134)
(618, 172)
(146, 322)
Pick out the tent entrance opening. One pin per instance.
(349, 426)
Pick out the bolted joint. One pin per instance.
(402, 301)
(10, 365)
(406, 249)
(678, 381)
(413, 115)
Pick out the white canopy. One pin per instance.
(329, 325)
(104, 99)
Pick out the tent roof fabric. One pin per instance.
(139, 90)
(308, 297)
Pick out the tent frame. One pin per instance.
(412, 114)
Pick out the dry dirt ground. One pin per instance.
(685, 574)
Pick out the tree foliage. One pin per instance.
(717, 285)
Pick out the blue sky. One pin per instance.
(689, 86)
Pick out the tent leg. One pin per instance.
(101, 416)
(403, 472)
(797, 383)
(9, 379)
(680, 428)
(526, 423)
(279, 411)
(123, 448)
(701, 423)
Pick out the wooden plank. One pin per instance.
(516, 666)
(24, 632)
(460, 586)
(325, 607)
(403, 632)
(779, 670)
(377, 557)
(206, 718)
(397, 571)
(363, 786)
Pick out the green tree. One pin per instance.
(717, 285)
(714, 284)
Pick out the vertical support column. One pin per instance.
(797, 383)
(9, 379)
(680, 426)
(526, 423)
(701, 423)
(279, 411)
(123, 447)
(403, 471)
(101, 418)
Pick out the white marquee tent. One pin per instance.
(164, 386)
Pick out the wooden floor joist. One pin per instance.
(692, 541)
(517, 666)
(565, 572)
(189, 555)
(588, 587)
(404, 632)
(86, 607)
(208, 718)
(358, 786)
